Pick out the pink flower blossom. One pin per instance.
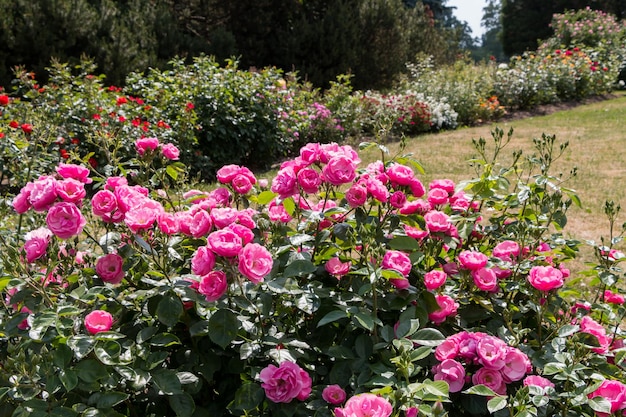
(285, 183)
(21, 202)
(400, 174)
(338, 269)
(451, 372)
(36, 243)
(110, 268)
(168, 223)
(545, 278)
(284, 383)
(589, 325)
(485, 279)
(43, 193)
(365, 405)
(213, 285)
(226, 173)
(223, 216)
(516, 365)
(277, 212)
(507, 250)
(613, 297)
(356, 195)
(434, 279)
(614, 392)
(202, 261)
(417, 188)
(397, 199)
(65, 220)
(77, 172)
(334, 394)
(411, 412)
(98, 321)
(225, 243)
(201, 223)
(112, 183)
(537, 381)
(146, 144)
(398, 261)
(340, 169)
(491, 352)
(309, 180)
(490, 378)
(310, 153)
(241, 184)
(170, 151)
(437, 221)
(472, 260)
(437, 197)
(103, 202)
(143, 215)
(255, 262)
(445, 184)
(447, 307)
(377, 190)
(71, 190)
(416, 206)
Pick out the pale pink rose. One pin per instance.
(472, 260)
(434, 279)
(103, 202)
(335, 267)
(213, 285)
(397, 199)
(447, 307)
(246, 235)
(356, 195)
(146, 144)
(43, 193)
(414, 232)
(491, 352)
(285, 183)
(285, 383)
(614, 392)
(71, 190)
(400, 174)
(334, 394)
(202, 261)
(77, 172)
(36, 243)
(21, 202)
(225, 242)
(170, 151)
(255, 262)
(168, 223)
(545, 278)
(219, 197)
(437, 197)
(613, 297)
(110, 268)
(128, 197)
(445, 184)
(516, 365)
(112, 183)
(365, 405)
(65, 220)
(241, 184)
(143, 216)
(223, 216)
(507, 250)
(201, 223)
(340, 170)
(490, 378)
(437, 221)
(416, 207)
(310, 153)
(263, 183)
(485, 279)
(98, 321)
(398, 261)
(537, 381)
(309, 180)
(451, 372)
(377, 189)
(448, 349)
(589, 325)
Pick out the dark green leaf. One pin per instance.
(167, 382)
(404, 243)
(247, 398)
(169, 310)
(90, 370)
(364, 320)
(107, 399)
(496, 403)
(428, 337)
(164, 340)
(299, 267)
(223, 326)
(108, 352)
(182, 404)
(68, 378)
(332, 316)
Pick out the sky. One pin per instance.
(471, 11)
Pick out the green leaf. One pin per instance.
(600, 405)
(332, 316)
(404, 243)
(406, 328)
(223, 327)
(40, 325)
(265, 197)
(568, 330)
(68, 378)
(165, 340)
(81, 345)
(169, 310)
(182, 404)
(438, 388)
(90, 370)
(496, 403)
(428, 337)
(364, 320)
(145, 334)
(108, 352)
(107, 399)
(172, 172)
(299, 267)
(290, 206)
(247, 398)
(167, 382)
(62, 356)
(480, 390)
(308, 302)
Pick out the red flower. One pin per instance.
(121, 100)
(4, 100)
(64, 154)
(92, 161)
(27, 128)
(190, 106)
(75, 141)
(14, 124)
(1, 135)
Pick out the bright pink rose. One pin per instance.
(98, 321)
(43, 193)
(285, 183)
(170, 151)
(397, 199)
(146, 144)
(437, 197)
(411, 412)
(545, 278)
(223, 216)
(255, 262)
(113, 182)
(202, 261)
(129, 197)
(613, 297)
(168, 223)
(219, 197)
(335, 267)
(213, 285)
(225, 243)
(356, 195)
(285, 383)
(589, 325)
(310, 153)
(537, 381)
(340, 169)
(241, 184)
(416, 206)
(71, 190)
(447, 307)
(21, 202)
(414, 232)
(614, 392)
(365, 405)
(417, 188)
(36, 243)
(448, 349)
(377, 190)
(110, 268)
(65, 220)
(400, 283)
(77, 172)
(226, 173)
(437, 221)
(507, 250)
(516, 365)
(451, 372)
(103, 202)
(398, 261)
(143, 216)
(490, 378)
(400, 174)
(246, 235)
(472, 260)
(334, 394)
(309, 180)
(491, 352)
(434, 279)
(277, 212)
(445, 184)
(201, 223)
(485, 279)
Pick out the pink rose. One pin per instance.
(613, 298)
(213, 285)
(451, 372)
(356, 195)
(77, 172)
(225, 243)
(255, 262)
(168, 223)
(537, 381)
(334, 394)
(377, 190)
(143, 215)
(545, 278)
(146, 144)
(437, 221)
(71, 190)
(103, 202)
(98, 321)
(223, 216)
(309, 180)
(448, 349)
(365, 405)
(417, 188)
(400, 283)
(110, 268)
(416, 206)
(445, 184)
(397, 199)
(516, 365)
(170, 151)
(447, 307)
(400, 174)
(491, 352)
(589, 325)
(129, 197)
(277, 212)
(437, 197)
(414, 232)
(65, 220)
(614, 392)
(226, 173)
(398, 261)
(310, 153)
(485, 279)
(335, 267)
(411, 412)
(340, 170)
(36, 243)
(43, 193)
(21, 202)
(490, 378)
(472, 260)
(507, 250)
(113, 182)
(202, 261)
(285, 183)
(246, 235)
(434, 279)
(241, 184)
(201, 223)
(285, 383)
